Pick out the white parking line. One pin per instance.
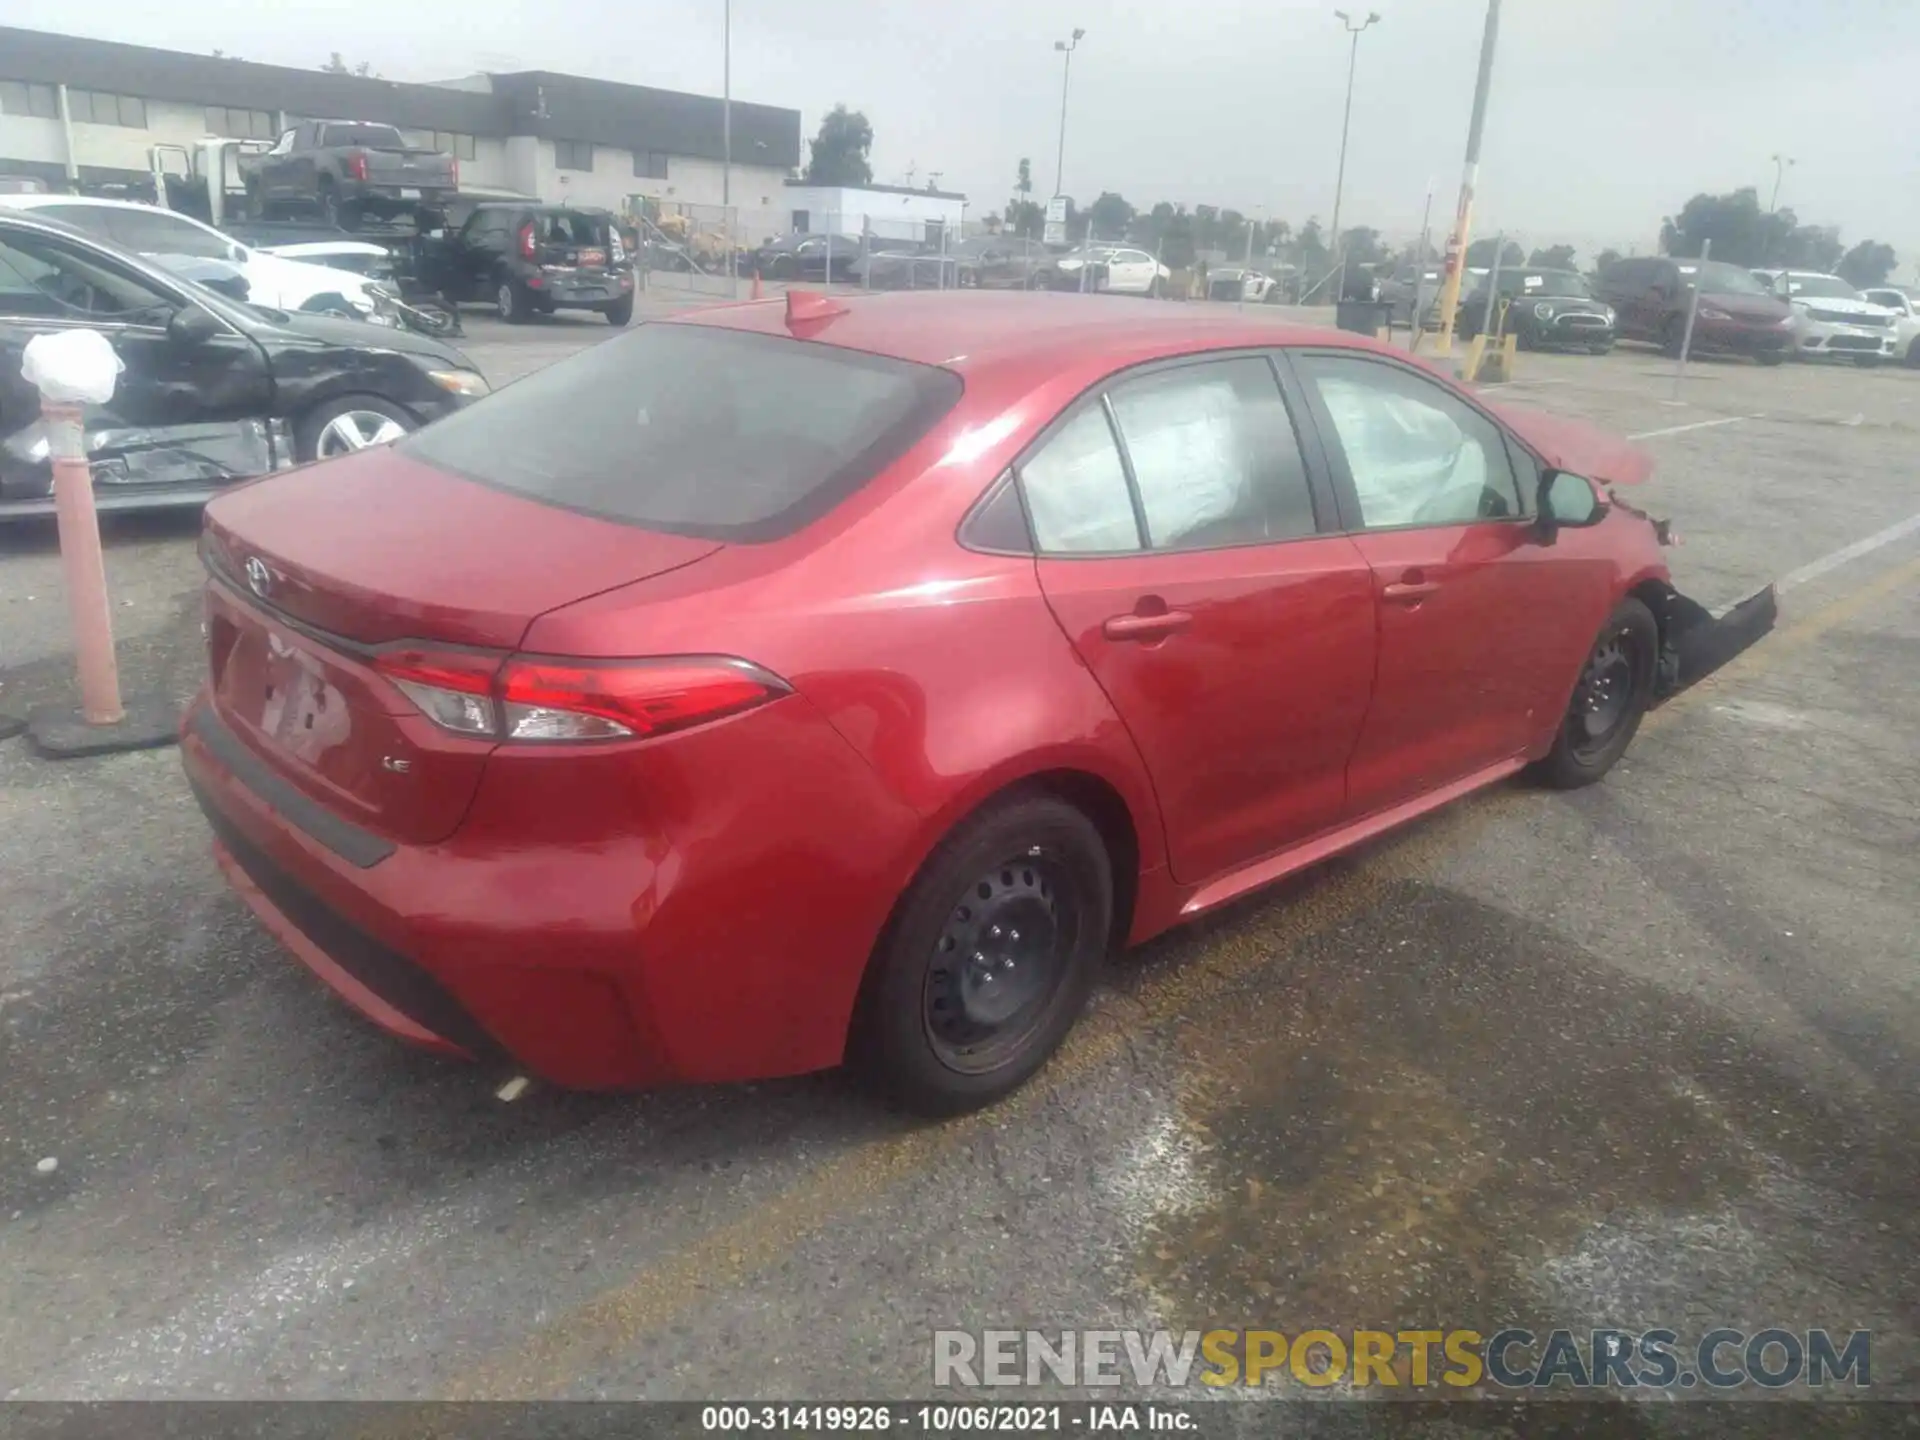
(1813, 570)
(1696, 425)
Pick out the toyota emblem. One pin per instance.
(259, 578)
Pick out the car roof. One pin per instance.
(36, 202)
(975, 332)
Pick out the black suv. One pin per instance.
(529, 259)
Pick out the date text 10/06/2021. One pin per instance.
(1090, 1418)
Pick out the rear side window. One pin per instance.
(1214, 456)
(696, 430)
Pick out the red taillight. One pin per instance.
(555, 699)
(357, 166)
(526, 242)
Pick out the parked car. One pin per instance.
(1118, 270)
(901, 265)
(1904, 302)
(801, 256)
(276, 280)
(1236, 283)
(1410, 289)
(213, 390)
(1736, 314)
(530, 259)
(345, 169)
(1000, 262)
(1830, 317)
(1542, 309)
(693, 768)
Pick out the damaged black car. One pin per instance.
(213, 389)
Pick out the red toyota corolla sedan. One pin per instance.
(794, 683)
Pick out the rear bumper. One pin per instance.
(570, 930)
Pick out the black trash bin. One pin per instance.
(1362, 317)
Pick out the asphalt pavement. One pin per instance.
(1648, 1054)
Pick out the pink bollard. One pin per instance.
(83, 568)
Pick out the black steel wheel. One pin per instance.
(989, 958)
(1609, 699)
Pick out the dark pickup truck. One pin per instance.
(345, 169)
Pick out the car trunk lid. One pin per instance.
(326, 573)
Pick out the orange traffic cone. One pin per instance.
(756, 284)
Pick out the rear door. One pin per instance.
(1480, 626)
(1178, 535)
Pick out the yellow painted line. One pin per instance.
(609, 1325)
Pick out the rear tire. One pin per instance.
(511, 304)
(960, 1008)
(1867, 362)
(620, 312)
(1609, 700)
(1673, 335)
(1772, 357)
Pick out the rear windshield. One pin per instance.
(371, 137)
(568, 227)
(695, 430)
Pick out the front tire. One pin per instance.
(988, 960)
(1609, 700)
(351, 423)
(1772, 357)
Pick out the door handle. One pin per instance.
(1409, 591)
(1146, 627)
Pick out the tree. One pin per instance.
(1310, 249)
(1480, 254)
(1867, 264)
(1606, 260)
(1110, 215)
(1026, 218)
(336, 66)
(1553, 257)
(1362, 245)
(1744, 234)
(839, 154)
(1023, 186)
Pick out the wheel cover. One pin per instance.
(356, 430)
(1605, 698)
(999, 962)
(504, 299)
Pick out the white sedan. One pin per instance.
(1127, 271)
(1830, 317)
(272, 280)
(1904, 302)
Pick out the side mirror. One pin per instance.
(238, 255)
(1565, 498)
(191, 325)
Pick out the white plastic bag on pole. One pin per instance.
(73, 367)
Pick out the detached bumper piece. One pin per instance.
(1698, 642)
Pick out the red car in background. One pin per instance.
(846, 678)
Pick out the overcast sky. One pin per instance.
(1605, 114)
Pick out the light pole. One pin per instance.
(1780, 164)
(1340, 179)
(726, 105)
(1469, 177)
(1066, 48)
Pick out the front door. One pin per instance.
(182, 411)
(1474, 613)
(1179, 551)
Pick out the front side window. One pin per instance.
(1076, 489)
(42, 279)
(696, 430)
(1214, 456)
(1416, 455)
